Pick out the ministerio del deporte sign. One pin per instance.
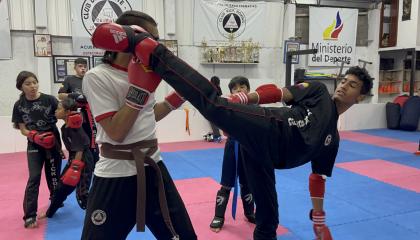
(333, 32)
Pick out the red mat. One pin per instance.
(392, 173)
(13, 176)
(379, 141)
(199, 195)
(190, 145)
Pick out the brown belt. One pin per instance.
(120, 152)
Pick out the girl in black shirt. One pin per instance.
(33, 115)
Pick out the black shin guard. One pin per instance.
(248, 203)
(222, 199)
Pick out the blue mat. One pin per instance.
(357, 207)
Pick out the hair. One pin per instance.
(216, 82)
(22, 76)
(238, 80)
(80, 61)
(363, 75)
(130, 17)
(69, 104)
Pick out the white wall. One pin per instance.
(418, 23)
(363, 116)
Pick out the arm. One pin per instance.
(172, 102)
(79, 155)
(23, 130)
(161, 110)
(118, 125)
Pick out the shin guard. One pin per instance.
(316, 186)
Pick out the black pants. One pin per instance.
(111, 212)
(63, 190)
(257, 129)
(37, 158)
(229, 167)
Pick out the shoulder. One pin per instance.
(18, 102)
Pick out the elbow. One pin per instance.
(117, 137)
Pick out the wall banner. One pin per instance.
(5, 40)
(87, 14)
(221, 21)
(333, 32)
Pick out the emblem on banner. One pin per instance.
(332, 31)
(94, 12)
(231, 21)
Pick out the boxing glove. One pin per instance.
(45, 140)
(174, 100)
(269, 93)
(74, 120)
(143, 82)
(322, 232)
(239, 97)
(72, 175)
(121, 38)
(79, 98)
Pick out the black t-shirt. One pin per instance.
(75, 139)
(309, 130)
(36, 114)
(71, 84)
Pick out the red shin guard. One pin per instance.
(316, 186)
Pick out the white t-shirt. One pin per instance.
(105, 88)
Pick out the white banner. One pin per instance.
(218, 21)
(5, 40)
(87, 14)
(333, 32)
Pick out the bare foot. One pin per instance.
(42, 215)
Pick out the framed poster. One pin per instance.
(172, 45)
(406, 10)
(96, 60)
(42, 45)
(64, 66)
(290, 46)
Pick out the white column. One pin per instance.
(372, 50)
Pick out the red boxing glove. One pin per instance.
(269, 93)
(74, 120)
(174, 100)
(45, 140)
(239, 97)
(143, 82)
(31, 135)
(322, 232)
(120, 38)
(72, 175)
